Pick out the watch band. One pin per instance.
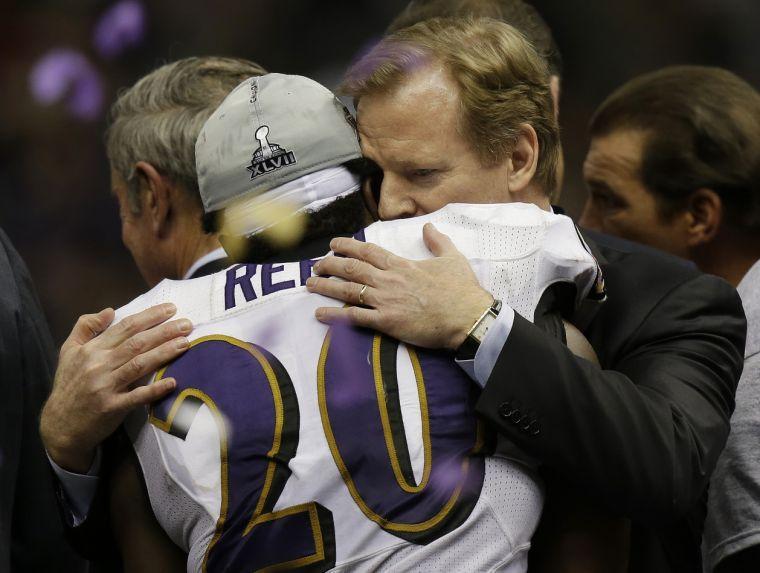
(469, 348)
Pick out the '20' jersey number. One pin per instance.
(361, 417)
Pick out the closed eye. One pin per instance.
(607, 201)
(605, 198)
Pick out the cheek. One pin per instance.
(429, 202)
(641, 224)
(449, 191)
(130, 236)
(628, 223)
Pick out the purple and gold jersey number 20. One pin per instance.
(248, 389)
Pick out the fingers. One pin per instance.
(438, 243)
(340, 290)
(148, 362)
(136, 323)
(145, 395)
(146, 341)
(89, 326)
(350, 269)
(373, 254)
(355, 315)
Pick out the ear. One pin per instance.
(705, 214)
(158, 196)
(523, 161)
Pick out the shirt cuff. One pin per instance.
(79, 489)
(480, 368)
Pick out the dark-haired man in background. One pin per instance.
(674, 163)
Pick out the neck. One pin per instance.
(729, 257)
(192, 248)
(534, 194)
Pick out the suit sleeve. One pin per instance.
(93, 537)
(11, 410)
(31, 537)
(643, 439)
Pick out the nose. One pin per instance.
(591, 217)
(395, 200)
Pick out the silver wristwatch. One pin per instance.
(477, 333)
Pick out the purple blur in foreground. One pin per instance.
(121, 27)
(65, 74)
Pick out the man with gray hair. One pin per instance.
(151, 149)
(150, 145)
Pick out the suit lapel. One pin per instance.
(586, 311)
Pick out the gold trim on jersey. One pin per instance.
(387, 431)
(165, 426)
(257, 517)
(279, 417)
(316, 529)
(348, 480)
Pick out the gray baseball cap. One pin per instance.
(271, 130)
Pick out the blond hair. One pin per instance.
(159, 118)
(502, 81)
(517, 13)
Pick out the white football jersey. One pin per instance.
(288, 444)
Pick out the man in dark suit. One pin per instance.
(472, 121)
(31, 536)
(673, 163)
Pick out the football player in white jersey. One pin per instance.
(290, 444)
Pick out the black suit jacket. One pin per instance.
(641, 435)
(31, 536)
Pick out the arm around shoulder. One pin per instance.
(643, 435)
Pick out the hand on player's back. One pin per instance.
(94, 387)
(431, 303)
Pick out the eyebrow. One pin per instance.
(396, 164)
(423, 163)
(599, 184)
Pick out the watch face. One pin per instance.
(483, 326)
(470, 346)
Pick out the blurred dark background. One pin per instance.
(61, 64)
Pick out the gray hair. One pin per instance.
(159, 118)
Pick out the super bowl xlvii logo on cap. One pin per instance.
(269, 156)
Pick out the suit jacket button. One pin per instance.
(535, 430)
(505, 410)
(516, 417)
